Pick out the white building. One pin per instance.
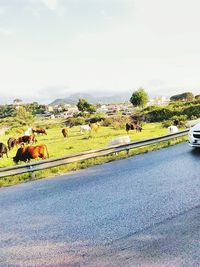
(160, 101)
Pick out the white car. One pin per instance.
(194, 136)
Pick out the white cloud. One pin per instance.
(105, 15)
(51, 4)
(2, 10)
(6, 32)
(99, 47)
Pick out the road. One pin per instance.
(139, 211)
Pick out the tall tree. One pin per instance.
(139, 98)
(83, 105)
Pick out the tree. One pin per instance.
(7, 111)
(187, 96)
(23, 117)
(139, 98)
(35, 108)
(83, 106)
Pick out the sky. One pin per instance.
(53, 48)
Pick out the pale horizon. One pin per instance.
(53, 48)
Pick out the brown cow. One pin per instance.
(3, 150)
(29, 139)
(130, 126)
(12, 141)
(26, 153)
(39, 131)
(65, 132)
(133, 126)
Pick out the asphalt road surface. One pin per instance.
(140, 211)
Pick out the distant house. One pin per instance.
(50, 108)
(71, 111)
(102, 109)
(111, 109)
(160, 101)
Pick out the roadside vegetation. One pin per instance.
(153, 119)
(76, 142)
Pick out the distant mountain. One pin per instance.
(94, 99)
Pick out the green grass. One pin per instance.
(59, 146)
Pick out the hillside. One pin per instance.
(94, 99)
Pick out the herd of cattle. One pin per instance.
(29, 150)
(26, 151)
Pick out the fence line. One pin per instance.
(54, 162)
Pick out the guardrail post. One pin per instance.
(127, 152)
(32, 172)
(32, 175)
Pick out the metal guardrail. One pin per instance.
(54, 162)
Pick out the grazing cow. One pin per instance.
(138, 128)
(133, 126)
(11, 142)
(130, 126)
(119, 140)
(3, 150)
(94, 127)
(65, 132)
(26, 153)
(39, 131)
(85, 128)
(173, 129)
(26, 139)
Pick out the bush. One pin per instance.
(98, 117)
(179, 110)
(14, 131)
(193, 117)
(167, 123)
(75, 121)
(179, 121)
(192, 111)
(159, 114)
(118, 122)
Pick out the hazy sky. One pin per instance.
(51, 48)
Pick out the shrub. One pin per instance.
(98, 117)
(76, 121)
(179, 121)
(192, 111)
(193, 117)
(167, 123)
(172, 112)
(159, 114)
(15, 131)
(118, 122)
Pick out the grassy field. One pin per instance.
(59, 146)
